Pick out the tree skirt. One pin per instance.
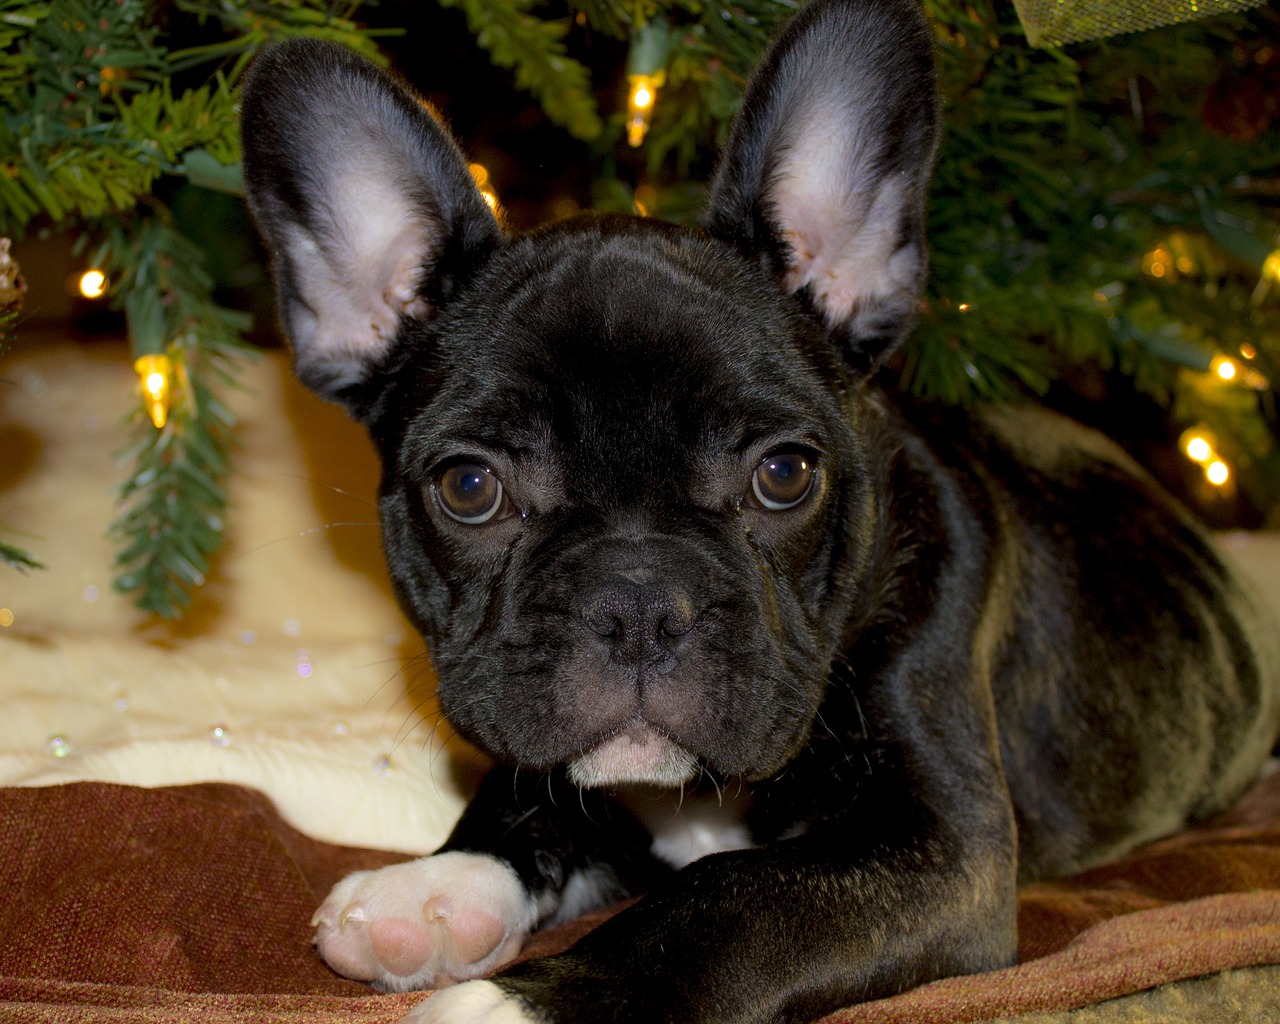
(131, 904)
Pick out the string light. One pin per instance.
(480, 175)
(1158, 262)
(644, 94)
(646, 74)
(1197, 445)
(1229, 371)
(1225, 368)
(645, 200)
(155, 372)
(1269, 276)
(110, 79)
(1198, 449)
(92, 284)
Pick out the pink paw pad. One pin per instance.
(426, 923)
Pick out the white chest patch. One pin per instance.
(686, 827)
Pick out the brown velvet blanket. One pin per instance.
(192, 903)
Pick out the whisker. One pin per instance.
(305, 533)
(410, 663)
(330, 487)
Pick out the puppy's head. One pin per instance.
(629, 491)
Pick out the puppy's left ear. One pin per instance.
(825, 172)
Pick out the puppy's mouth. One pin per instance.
(639, 754)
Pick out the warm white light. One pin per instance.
(1198, 449)
(640, 103)
(1217, 473)
(93, 284)
(1224, 368)
(155, 375)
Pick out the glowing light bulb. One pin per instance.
(93, 284)
(1197, 444)
(1271, 265)
(1217, 472)
(1158, 262)
(1225, 368)
(644, 94)
(484, 182)
(156, 374)
(1198, 449)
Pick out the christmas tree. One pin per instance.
(1104, 214)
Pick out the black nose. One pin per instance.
(642, 622)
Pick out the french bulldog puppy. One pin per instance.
(664, 534)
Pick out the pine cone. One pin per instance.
(12, 286)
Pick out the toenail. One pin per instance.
(351, 912)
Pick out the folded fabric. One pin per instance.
(132, 904)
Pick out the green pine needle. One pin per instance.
(172, 505)
(16, 558)
(535, 49)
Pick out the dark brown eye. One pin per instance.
(782, 480)
(470, 493)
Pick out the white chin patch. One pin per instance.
(638, 755)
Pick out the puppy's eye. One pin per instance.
(470, 493)
(782, 480)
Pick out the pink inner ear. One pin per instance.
(360, 273)
(840, 214)
(842, 224)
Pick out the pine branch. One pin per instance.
(18, 20)
(252, 24)
(1033, 223)
(86, 51)
(172, 505)
(16, 558)
(90, 124)
(535, 49)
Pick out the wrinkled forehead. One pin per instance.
(624, 345)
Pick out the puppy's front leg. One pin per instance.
(855, 909)
(529, 850)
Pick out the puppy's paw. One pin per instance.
(426, 923)
(476, 1002)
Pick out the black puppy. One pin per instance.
(660, 531)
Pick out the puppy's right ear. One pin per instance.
(365, 202)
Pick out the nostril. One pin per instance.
(604, 620)
(639, 624)
(678, 619)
